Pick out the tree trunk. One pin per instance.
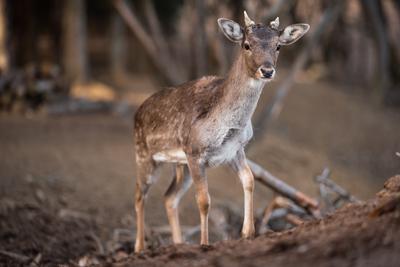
(374, 15)
(75, 51)
(201, 39)
(4, 53)
(118, 48)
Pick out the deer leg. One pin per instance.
(197, 171)
(179, 186)
(239, 165)
(143, 182)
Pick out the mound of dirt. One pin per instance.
(31, 233)
(364, 234)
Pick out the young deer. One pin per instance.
(207, 122)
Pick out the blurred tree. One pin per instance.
(75, 50)
(201, 39)
(4, 52)
(118, 58)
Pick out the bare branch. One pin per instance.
(160, 58)
(267, 179)
(323, 179)
(133, 23)
(266, 216)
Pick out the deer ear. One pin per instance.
(293, 33)
(231, 29)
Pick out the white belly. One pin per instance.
(224, 154)
(173, 156)
(216, 156)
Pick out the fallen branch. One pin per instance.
(66, 213)
(166, 229)
(324, 191)
(293, 215)
(218, 218)
(36, 261)
(263, 176)
(324, 180)
(18, 257)
(282, 202)
(100, 247)
(187, 232)
(266, 216)
(278, 213)
(123, 235)
(293, 219)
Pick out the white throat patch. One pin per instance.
(256, 83)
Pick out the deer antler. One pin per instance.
(274, 24)
(247, 21)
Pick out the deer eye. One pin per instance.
(246, 46)
(278, 47)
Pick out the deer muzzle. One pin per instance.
(265, 73)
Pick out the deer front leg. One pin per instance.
(239, 165)
(197, 172)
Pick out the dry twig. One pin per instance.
(267, 179)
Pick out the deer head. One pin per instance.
(260, 43)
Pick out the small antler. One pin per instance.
(274, 24)
(247, 21)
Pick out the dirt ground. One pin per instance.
(356, 235)
(67, 185)
(364, 234)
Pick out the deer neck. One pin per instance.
(241, 93)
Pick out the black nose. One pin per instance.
(267, 72)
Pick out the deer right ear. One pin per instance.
(231, 29)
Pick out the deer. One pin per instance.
(206, 123)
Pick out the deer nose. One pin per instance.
(267, 72)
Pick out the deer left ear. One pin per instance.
(293, 33)
(231, 29)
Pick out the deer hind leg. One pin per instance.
(239, 165)
(179, 186)
(144, 180)
(197, 171)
